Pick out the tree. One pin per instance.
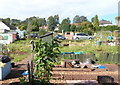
(73, 28)
(65, 25)
(7, 20)
(96, 22)
(79, 19)
(76, 19)
(35, 26)
(86, 27)
(83, 18)
(51, 23)
(22, 28)
(92, 19)
(34, 23)
(41, 22)
(29, 29)
(15, 22)
(56, 17)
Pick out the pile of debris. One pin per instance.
(75, 63)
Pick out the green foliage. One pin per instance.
(76, 19)
(56, 17)
(23, 80)
(29, 30)
(51, 23)
(42, 32)
(79, 19)
(7, 20)
(19, 50)
(41, 22)
(83, 18)
(65, 25)
(45, 56)
(109, 28)
(86, 27)
(73, 28)
(96, 21)
(23, 25)
(22, 28)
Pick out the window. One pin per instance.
(5, 37)
(68, 33)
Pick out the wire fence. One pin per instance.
(102, 57)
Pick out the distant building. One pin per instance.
(43, 27)
(76, 24)
(118, 21)
(105, 23)
(69, 35)
(7, 33)
(6, 27)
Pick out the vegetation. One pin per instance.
(45, 57)
(88, 46)
(96, 21)
(37, 24)
(18, 50)
(79, 19)
(65, 25)
(51, 23)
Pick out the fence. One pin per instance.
(101, 57)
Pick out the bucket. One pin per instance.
(98, 43)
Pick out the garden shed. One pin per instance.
(47, 37)
(7, 38)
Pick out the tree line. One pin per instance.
(80, 24)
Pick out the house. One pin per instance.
(4, 27)
(76, 24)
(44, 27)
(69, 35)
(118, 21)
(7, 33)
(105, 23)
(116, 32)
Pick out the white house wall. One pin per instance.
(9, 40)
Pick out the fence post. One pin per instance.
(28, 65)
(32, 76)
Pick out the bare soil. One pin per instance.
(63, 75)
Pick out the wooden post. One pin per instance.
(119, 73)
(32, 69)
(29, 72)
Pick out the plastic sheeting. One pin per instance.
(72, 53)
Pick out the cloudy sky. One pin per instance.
(22, 9)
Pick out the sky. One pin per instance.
(22, 9)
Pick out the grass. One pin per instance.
(88, 47)
(19, 50)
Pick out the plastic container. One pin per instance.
(101, 67)
(98, 43)
(4, 71)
